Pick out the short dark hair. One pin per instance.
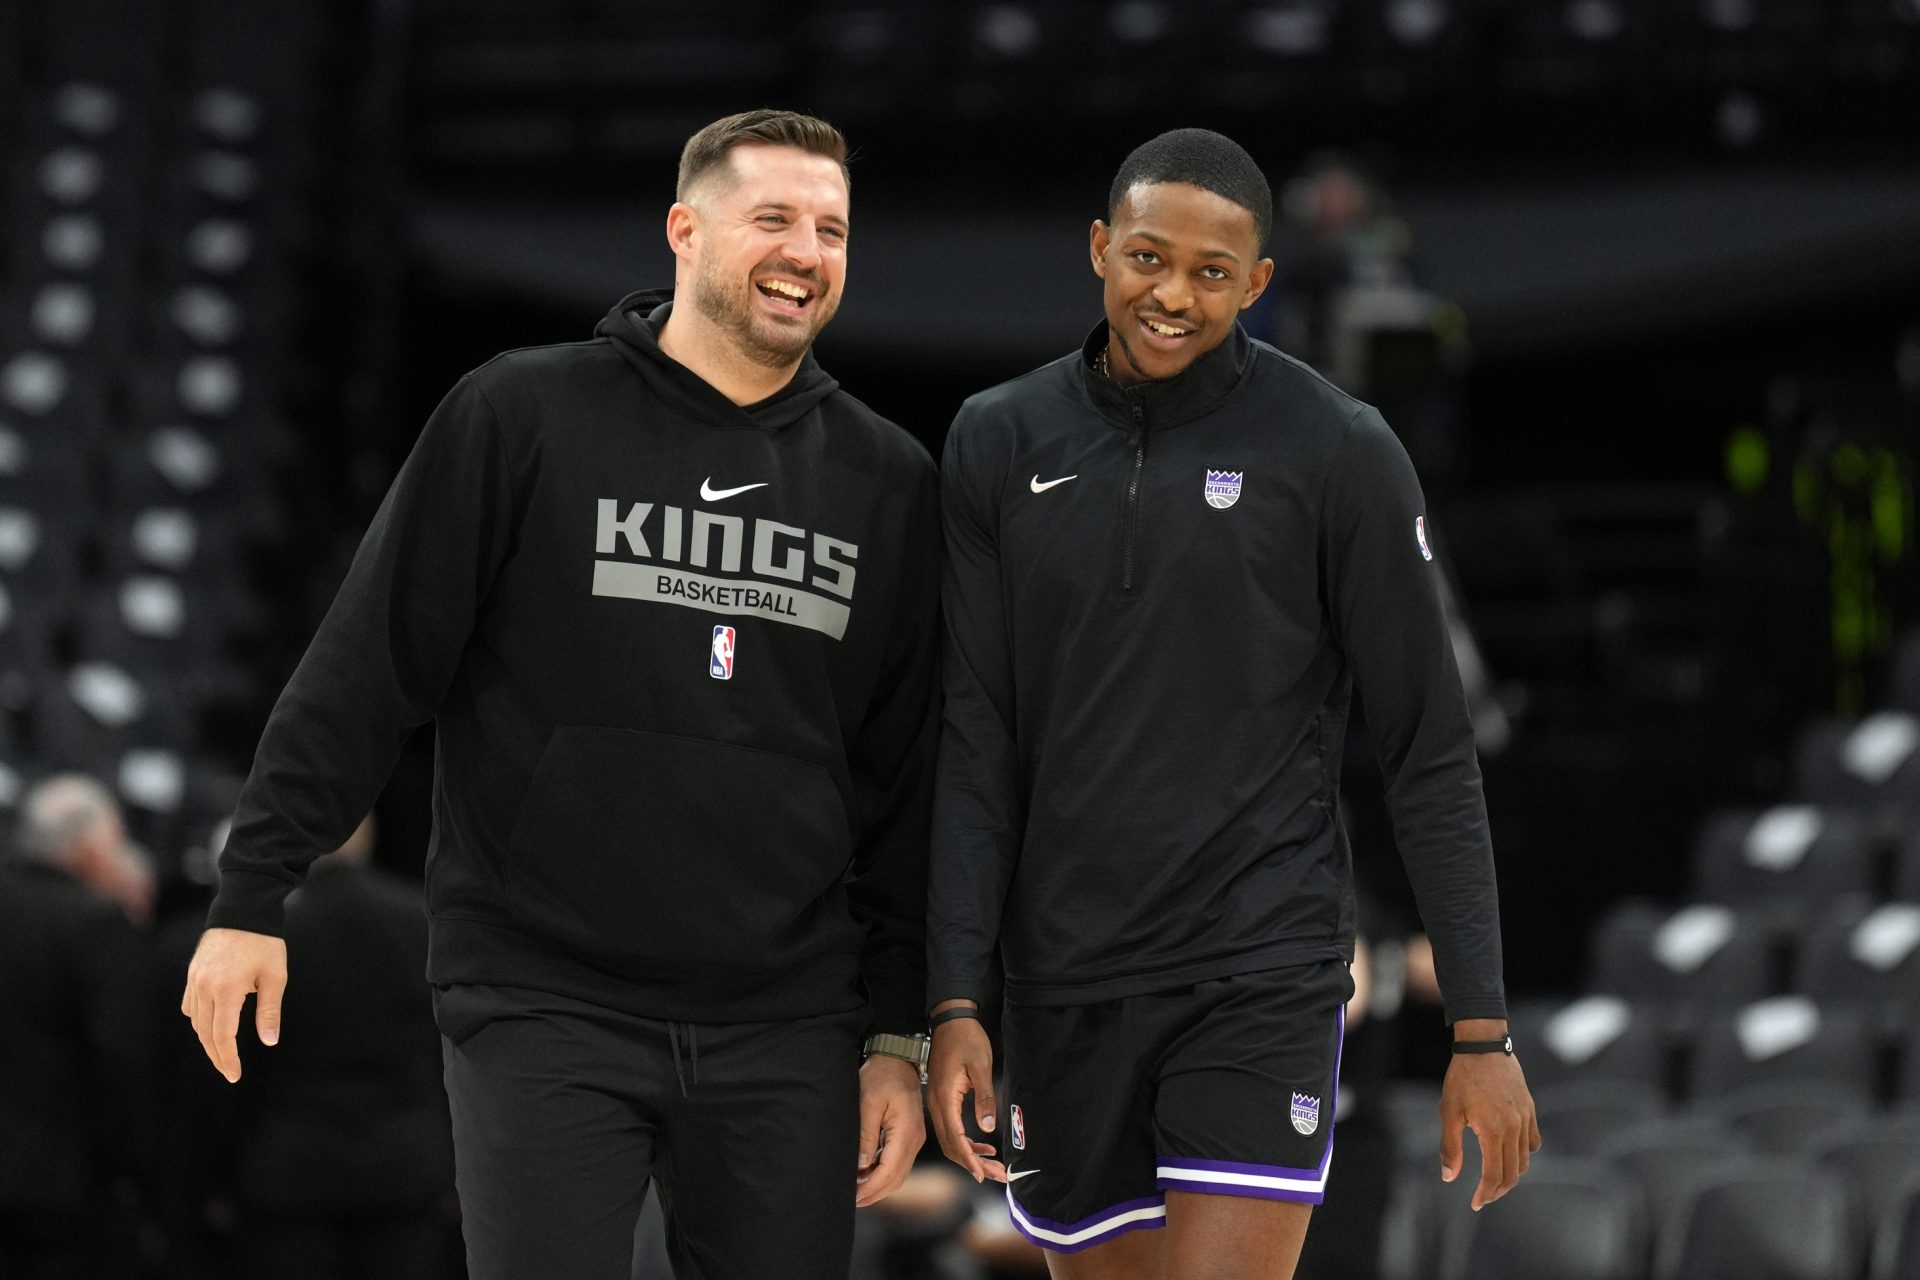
(709, 149)
(1201, 158)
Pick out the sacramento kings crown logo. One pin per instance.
(1306, 1113)
(1223, 488)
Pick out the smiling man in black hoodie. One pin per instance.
(670, 597)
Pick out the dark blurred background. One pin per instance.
(1637, 281)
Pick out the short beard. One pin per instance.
(1134, 364)
(732, 312)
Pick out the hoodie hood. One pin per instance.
(633, 326)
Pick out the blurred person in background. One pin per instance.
(1343, 236)
(73, 1071)
(671, 597)
(1148, 681)
(72, 823)
(335, 1158)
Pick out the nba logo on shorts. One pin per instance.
(1420, 532)
(1223, 488)
(1019, 1129)
(1306, 1113)
(720, 662)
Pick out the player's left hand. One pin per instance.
(1487, 1093)
(891, 1128)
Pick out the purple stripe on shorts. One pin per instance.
(1234, 1166)
(1201, 1187)
(1018, 1212)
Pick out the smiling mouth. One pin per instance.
(1163, 331)
(786, 295)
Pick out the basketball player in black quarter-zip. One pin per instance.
(670, 597)
(1170, 556)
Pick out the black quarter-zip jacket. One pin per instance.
(1158, 600)
(682, 659)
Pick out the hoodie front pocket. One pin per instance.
(650, 851)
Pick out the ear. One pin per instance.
(1257, 281)
(683, 229)
(1098, 240)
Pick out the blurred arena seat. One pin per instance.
(1667, 1157)
(1866, 957)
(1896, 1253)
(1590, 1038)
(1685, 960)
(1768, 1220)
(1787, 1117)
(1567, 1220)
(1583, 1114)
(1788, 860)
(1879, 1157)
(1785, 1038)
(1870, 764)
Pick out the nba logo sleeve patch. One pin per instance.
(720, 659)
(1420, 536)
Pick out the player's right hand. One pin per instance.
(962, 1062)
(228, 966)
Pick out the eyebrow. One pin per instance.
(780, 206)
(1165, 243)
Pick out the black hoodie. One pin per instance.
(681, 659)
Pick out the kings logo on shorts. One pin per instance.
(1306, 1113)
(720, 659)
(1019, 1127)
(1223, 488)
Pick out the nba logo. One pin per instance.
(1420, 533)
(720, 661)
(1019, 1129)
(1306, 1113)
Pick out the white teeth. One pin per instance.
(1166, 331)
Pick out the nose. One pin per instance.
(803, 245)
(1173, 294)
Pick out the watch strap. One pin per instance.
(1503, 1045)
(912, 1050)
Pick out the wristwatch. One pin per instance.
(909, 1049)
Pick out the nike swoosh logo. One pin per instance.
(1024, 1173)
(1035, 485)
(712, 494)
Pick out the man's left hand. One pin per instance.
(891, 1128)
(1487, 1093)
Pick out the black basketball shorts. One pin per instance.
(1224, 1087)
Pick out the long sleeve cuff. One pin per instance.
(942, 987)
(897, 1002)
(1488, 1006)
(251, 900)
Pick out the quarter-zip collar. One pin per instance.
(1168, 403)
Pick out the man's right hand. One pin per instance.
(228, 966)
(962, 1061)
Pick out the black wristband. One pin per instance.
(1503, 1045)
(954, 1014)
